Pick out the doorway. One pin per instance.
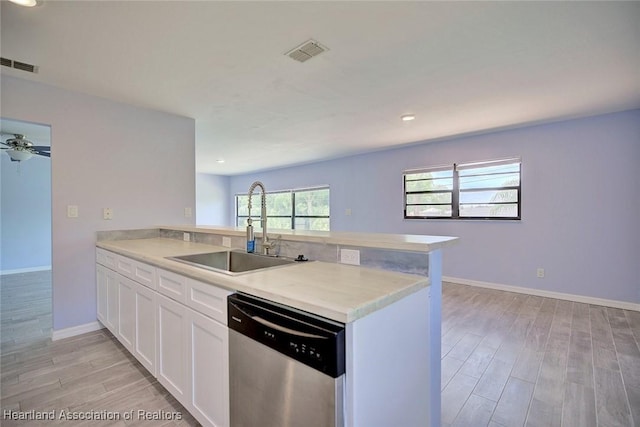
(25, 231)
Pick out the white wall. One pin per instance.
(213, 201)
(580, 204)
(25, 214)
(140, 163)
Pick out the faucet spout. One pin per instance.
(266, 245)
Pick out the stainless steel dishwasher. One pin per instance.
(286, 366)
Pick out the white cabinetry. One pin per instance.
(173, 333)
(209, 370)
(101, 292)
(176, 328)
(172, 285)
(126, 312)
(112, 302)
(145, 338)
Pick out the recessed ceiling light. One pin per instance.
(220, 160)
(28, 3)
(407, 117)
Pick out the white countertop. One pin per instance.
(340, 292)
(402, 242)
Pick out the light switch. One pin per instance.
(187, 212)
(107, 213)
(72, 211)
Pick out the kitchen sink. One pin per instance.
(232, 262)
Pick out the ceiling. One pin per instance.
(460, 67)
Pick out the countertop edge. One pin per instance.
(401, 242)
(238, 283)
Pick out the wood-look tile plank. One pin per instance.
(579, 406)
(580, 361)
(492, 382)
(514, 402)
(476, 411)
(611, 401)
(465, 346)
(454, 395)
(477, 363)
(633, 394)
(448, 368)
(544, 414)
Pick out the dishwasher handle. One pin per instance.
(302, 336)
(267, 323)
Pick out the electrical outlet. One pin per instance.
(186, 237)
(107, 213)
(72, 211)
(226, 242)
(187, 212)
(347, 212)
(350, 256)
(540, 273)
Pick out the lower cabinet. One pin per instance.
(101, 293)
(177, 333)
(126, 312)
(193, 361)
(172, 348)
(209, 370)
(145, 318)
(112, 302)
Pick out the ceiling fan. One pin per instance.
(19, 148)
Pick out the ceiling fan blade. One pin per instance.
(41, 148)
(42, 153)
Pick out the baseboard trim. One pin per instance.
(76, 330)
(549, 294)
(25, 270)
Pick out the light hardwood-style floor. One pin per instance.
(86, 374)
(507, 360)
(518, 360)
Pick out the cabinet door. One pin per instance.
(112, 302)
(145, 336)
(126, 312)
(101, 293)
(209, 370)
(172, 342)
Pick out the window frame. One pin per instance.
(241, 220)
(455, 191)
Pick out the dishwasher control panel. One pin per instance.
(315, 341)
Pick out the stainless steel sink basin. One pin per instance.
(232, 262)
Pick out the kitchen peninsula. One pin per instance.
(390, 305)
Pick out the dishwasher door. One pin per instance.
(269, 388)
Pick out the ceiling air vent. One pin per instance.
(19, 65)
(306, 50)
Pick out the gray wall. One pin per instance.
(140, 163)
(25, 214)
(580, 204)
(213, 201)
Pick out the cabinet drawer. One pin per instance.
(106, 258)
(209, 300)
(145, 274)
(124, 266)
(172, 285)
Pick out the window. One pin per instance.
(479, 190)
(303, 209)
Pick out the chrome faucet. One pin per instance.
(266, 245)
